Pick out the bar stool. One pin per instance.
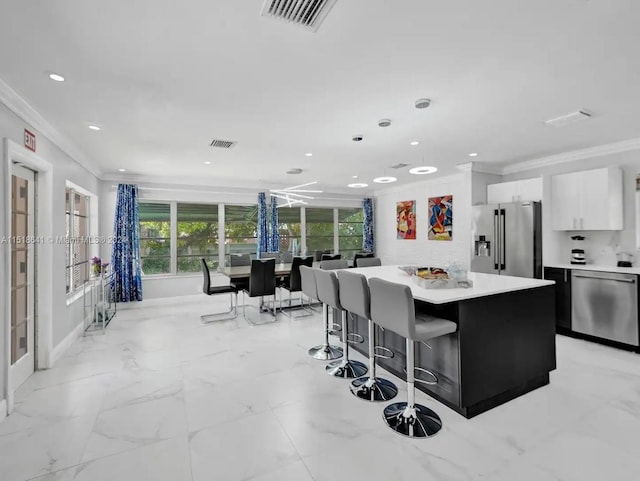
(325, 351)
(355, 298)
(329, 294)
(331, 264)
(367, 262)
(392, 307)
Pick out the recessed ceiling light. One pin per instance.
(415, 142)
(95, 127)
(308, 154)
(473, 154)
(122, 170)
(207, 162)
(294, 171)
(422, 103)
(56, 77)
(384, 180)
(354, 176)
(358, 185)
(384, 122)
(423, 170)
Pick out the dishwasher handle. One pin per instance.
(628, 281)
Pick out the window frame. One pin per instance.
(171, 239)
(92, 248)
(224, 247)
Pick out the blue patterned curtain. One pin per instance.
(263, 234)
(367, 225)
(274, 235)
(125, 253)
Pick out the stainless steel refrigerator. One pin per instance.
(507, 239)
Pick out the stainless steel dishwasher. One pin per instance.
(605, 305)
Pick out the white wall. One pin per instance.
(600, 246)
(64, 318)
(180, 285)
(422, 251)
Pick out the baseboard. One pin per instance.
(58, 351)
(3, 409)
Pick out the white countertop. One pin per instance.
(598, 267)
(483, 284)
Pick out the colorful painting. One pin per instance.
(441, 218)
(406, 219)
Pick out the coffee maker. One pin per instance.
(577, 252)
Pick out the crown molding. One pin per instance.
(482, 167)
(19, 106)
(598, 151)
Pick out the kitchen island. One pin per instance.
(504, 346)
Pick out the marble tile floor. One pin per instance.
(162, 397)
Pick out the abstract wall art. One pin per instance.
(406, 219)
(440, 218)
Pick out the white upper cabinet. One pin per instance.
(516, 191)
(587, 200)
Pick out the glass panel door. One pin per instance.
(22, 275)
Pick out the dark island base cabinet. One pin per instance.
(562, 278)
(504, 347)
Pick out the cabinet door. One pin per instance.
(501, 193)
(562, 279)
(596, 201)
(564, 201)
(530, 189)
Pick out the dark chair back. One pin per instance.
(362, 255)
(262, 279)
(295, 280)
(368, 262)
(206, 285)
(331, 257)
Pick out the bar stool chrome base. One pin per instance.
(325, 353)
(346, 369)
(419, 422)
(376, 389)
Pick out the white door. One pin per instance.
(22, 275)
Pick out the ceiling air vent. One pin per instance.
(223, 144)
(399, 166)
(571, 118)
(308, 14)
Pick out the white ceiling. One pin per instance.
(163, 77)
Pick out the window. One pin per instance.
(289, 229)
(240, 229)
(319, 229)
(155, 238)
(350, 231)
(77, 237)
(197, 236)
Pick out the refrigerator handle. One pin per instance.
(503, 254)
(495, 240)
